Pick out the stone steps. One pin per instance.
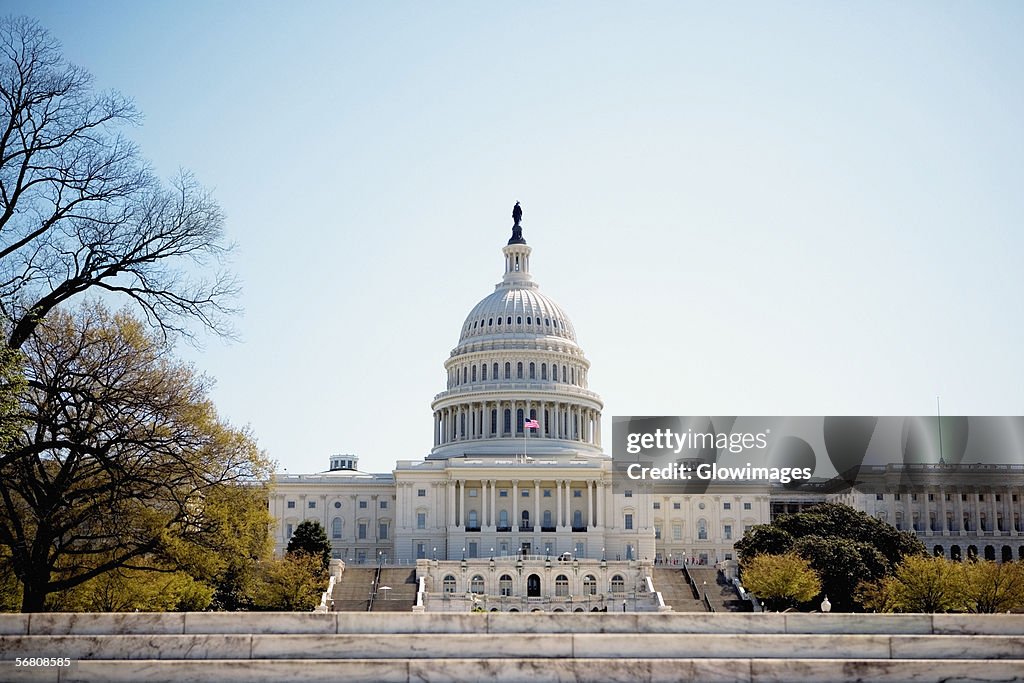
(514, 647)
(526, 669)
(675, 590)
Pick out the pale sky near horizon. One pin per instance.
(756, 208)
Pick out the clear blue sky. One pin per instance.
(759, 208)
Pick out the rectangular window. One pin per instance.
(629, 521)
(362, 531)
(421, 493)
(312, 504)
(629, 493)
(547, 493)
(727, 532)
(657, 532)
(657, 505)
(577, 493)
(473, 493)
(677, 506)
(421, 520)
(746, 506)
(931, 497)
(362, 505)
(383, 505)
(288, 531)
(677, 532)
(525, 493)
(502, 493)
(383, 529)
(472, 549)
(727, 506)
(896, 496)
(421, 551)
(291, 504)
(879, 496)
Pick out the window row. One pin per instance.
(500, 322)
(534, 585)
(484, 372)
(678, 506)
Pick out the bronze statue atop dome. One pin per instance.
(517, 229)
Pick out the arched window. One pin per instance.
(526, 519)
(471, 521)
(519, 370)
(554, 373)
(336, 527)
(519, 421)
(543, 370)
(494, 422)
(483, 372)
(573, 381)
(509, 320)
(499, 320)
(547, 321)
(618, 584)
(519, 320)
(533, 371)
(490, 322)
(494, 374)
(474, 373)
(565, 375)
(505, 585)
(589, 585)
(508, 371)
(476, 584)
(561, 585)
(449, 584)
(463, 375)
(529, 320)
(702, 530)
(508, 421)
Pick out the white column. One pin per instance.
(515, 503)
(494, 494)
(590, 504)
(558, 504)
(536, 503)
(568, 503)
(462, 502)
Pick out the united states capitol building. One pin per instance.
(517, 471)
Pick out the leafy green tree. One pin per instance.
(310, 538)
(781, 580)
(845, 547)
(293, 583)
(995, 587)
(123, 463)
(130, 590)
(921, 584)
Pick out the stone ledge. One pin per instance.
(498, 623)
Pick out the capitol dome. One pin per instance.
(517, 360)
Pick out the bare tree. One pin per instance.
(80, 210)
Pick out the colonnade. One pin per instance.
(501, 419)
(562, 491)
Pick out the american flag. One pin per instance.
(531, 424)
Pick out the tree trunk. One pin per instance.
(34, 594)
